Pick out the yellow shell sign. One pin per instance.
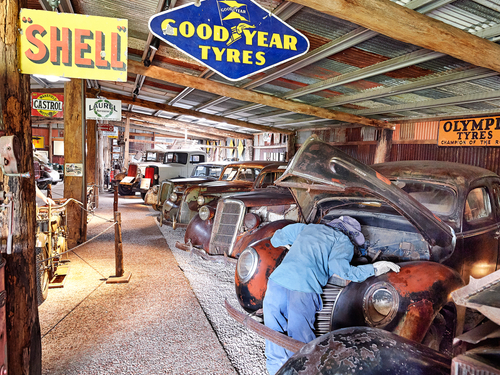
(73, 45)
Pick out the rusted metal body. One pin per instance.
(484, 357)
(416, 214)
(234, 216)
(236, 177)
(203, 172)
(365, 350)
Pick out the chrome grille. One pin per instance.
(228, 219)
(324, 317)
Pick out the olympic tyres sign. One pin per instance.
(234, 38)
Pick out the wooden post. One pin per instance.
(115, 199)
(248, 155)
(126, 137)
(24, 350)
(100, 159)
(75, 186)
(91, 158)
(118, 245)
(384, 145)
(120, 276)
(51, 149)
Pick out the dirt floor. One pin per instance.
(152, 325)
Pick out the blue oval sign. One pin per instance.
(234, 38)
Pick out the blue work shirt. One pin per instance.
(318, 251)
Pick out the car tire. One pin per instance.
(125, 190)
(42, 275)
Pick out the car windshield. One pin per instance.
(176, 157)
(240, 174)
(203, 170)
(151, 156)
(439, 199)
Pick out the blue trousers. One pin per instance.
(288, 312)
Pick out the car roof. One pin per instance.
(252, 164)
(439, 171)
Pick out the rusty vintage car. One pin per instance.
(203, 172)
(220, 224)
(236, 177)
(438, 220)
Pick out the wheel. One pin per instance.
(42, 276)
(143, 195)
(125, 190)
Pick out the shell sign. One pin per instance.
(235, 38)
(73, 45)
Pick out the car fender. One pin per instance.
(251, 293)
(422, 289)
(199, 232)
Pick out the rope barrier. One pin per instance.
(77, 246)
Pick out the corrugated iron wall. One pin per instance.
(486, 157)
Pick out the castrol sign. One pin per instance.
(234, 38)
(73, 45)
(47, 105)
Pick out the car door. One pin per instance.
(480, 231)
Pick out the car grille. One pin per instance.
(323, 321)
(165, 191)
(227, 221)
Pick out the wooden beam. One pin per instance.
(48, 120)
(409, 26)
(186, 125)
(21, 342)
(173, 133)
(73, 153)
(189, 112)
(249, 96)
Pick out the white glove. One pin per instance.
(383, 267)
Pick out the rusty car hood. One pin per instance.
(319, 168)
(271, 196)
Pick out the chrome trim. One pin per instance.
(395, 304)
(217, 226)
(253, 268)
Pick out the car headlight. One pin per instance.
(200, 200)
(205, 213)
(173, 197)
(251, 221)
(247, 264)
(380, 304)
(155, 176)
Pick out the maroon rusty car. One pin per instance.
(236, 177)
(439, 220)
(220, 224)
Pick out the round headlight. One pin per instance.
(247, 264)
(380, 304)
(173, 197)
(205, 213)
(251, 221)
(155, 176)
(201, 200)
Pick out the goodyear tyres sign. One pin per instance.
(73, 45)
(235, 38)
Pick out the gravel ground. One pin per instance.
(169, 319)
(213, 282)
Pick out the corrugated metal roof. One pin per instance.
(364, 62)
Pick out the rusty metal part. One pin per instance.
(365, 350)
(423, 289)
(198, 232)
(278, 338)
(251, 293)
(482, 295)
(479, 361)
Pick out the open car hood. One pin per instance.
(319, 168)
